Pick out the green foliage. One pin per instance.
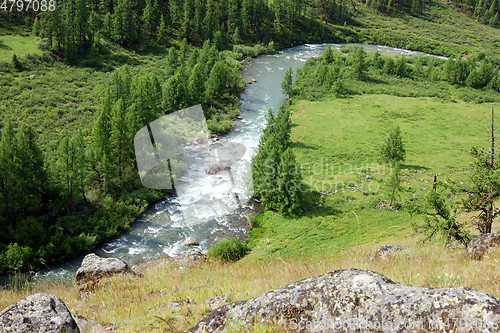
(228, 250)
(15, 258)
(440, 219)
(287, 83)
(16, 63)
(276, 175)
(360, 66)
(393, 150)
(483, 191)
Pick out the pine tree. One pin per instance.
(148, 18)
(36, 27)
(328, 55)
(393, 150)
(101, 141)
(9, 171)
(199, 15)
(175, 96)
(216, 84)
(494, 21)
(161, 34)
(65, 163)
(289, 184)
(360, 66)
(119, 137)
(80, 163)
(32, 181)
(209, 22)
(401, 67)
(196, 85)
(287, 83)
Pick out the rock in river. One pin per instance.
(190, 242)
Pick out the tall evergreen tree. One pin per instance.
(287, 83)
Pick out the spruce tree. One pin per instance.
(65, 171)
(196, 85)
(289, 184)
(287, 83)
(161, 34)
(119, 137)
(393, 150)
(328, 55)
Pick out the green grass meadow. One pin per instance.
(18, 45)
(336, 143)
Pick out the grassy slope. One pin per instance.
(19, 45)
(336, 143)
(441, 30)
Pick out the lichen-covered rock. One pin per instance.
(354, 300)
(213, 303)
(481, 245)
(94, 268)
(90, 326)
(386, 251)
(38, 313)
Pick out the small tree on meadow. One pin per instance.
(393, 150)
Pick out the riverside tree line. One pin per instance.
(56, 204)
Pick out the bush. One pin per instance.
(228, 250)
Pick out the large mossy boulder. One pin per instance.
(94, 268)
(482, 245)
(39, 313)
(354, 300)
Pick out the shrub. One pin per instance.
(228, 250)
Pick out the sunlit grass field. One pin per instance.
(337, 142)
(18, 45)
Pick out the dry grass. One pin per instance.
(138, 304)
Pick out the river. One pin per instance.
(206, 210)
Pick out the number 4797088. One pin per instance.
(26, 5)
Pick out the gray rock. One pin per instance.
(38, 313)
(188, 258)
(94, 268)
(354, 300)
(386, 251)
(456, 245)
(217, 167)
(90, 326)
(482, 245)
(190, 242)
(213, 303)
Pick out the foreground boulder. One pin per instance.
(481, 245)
(354, 300)
(386, 251)
(38, 313)
(94, 268)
